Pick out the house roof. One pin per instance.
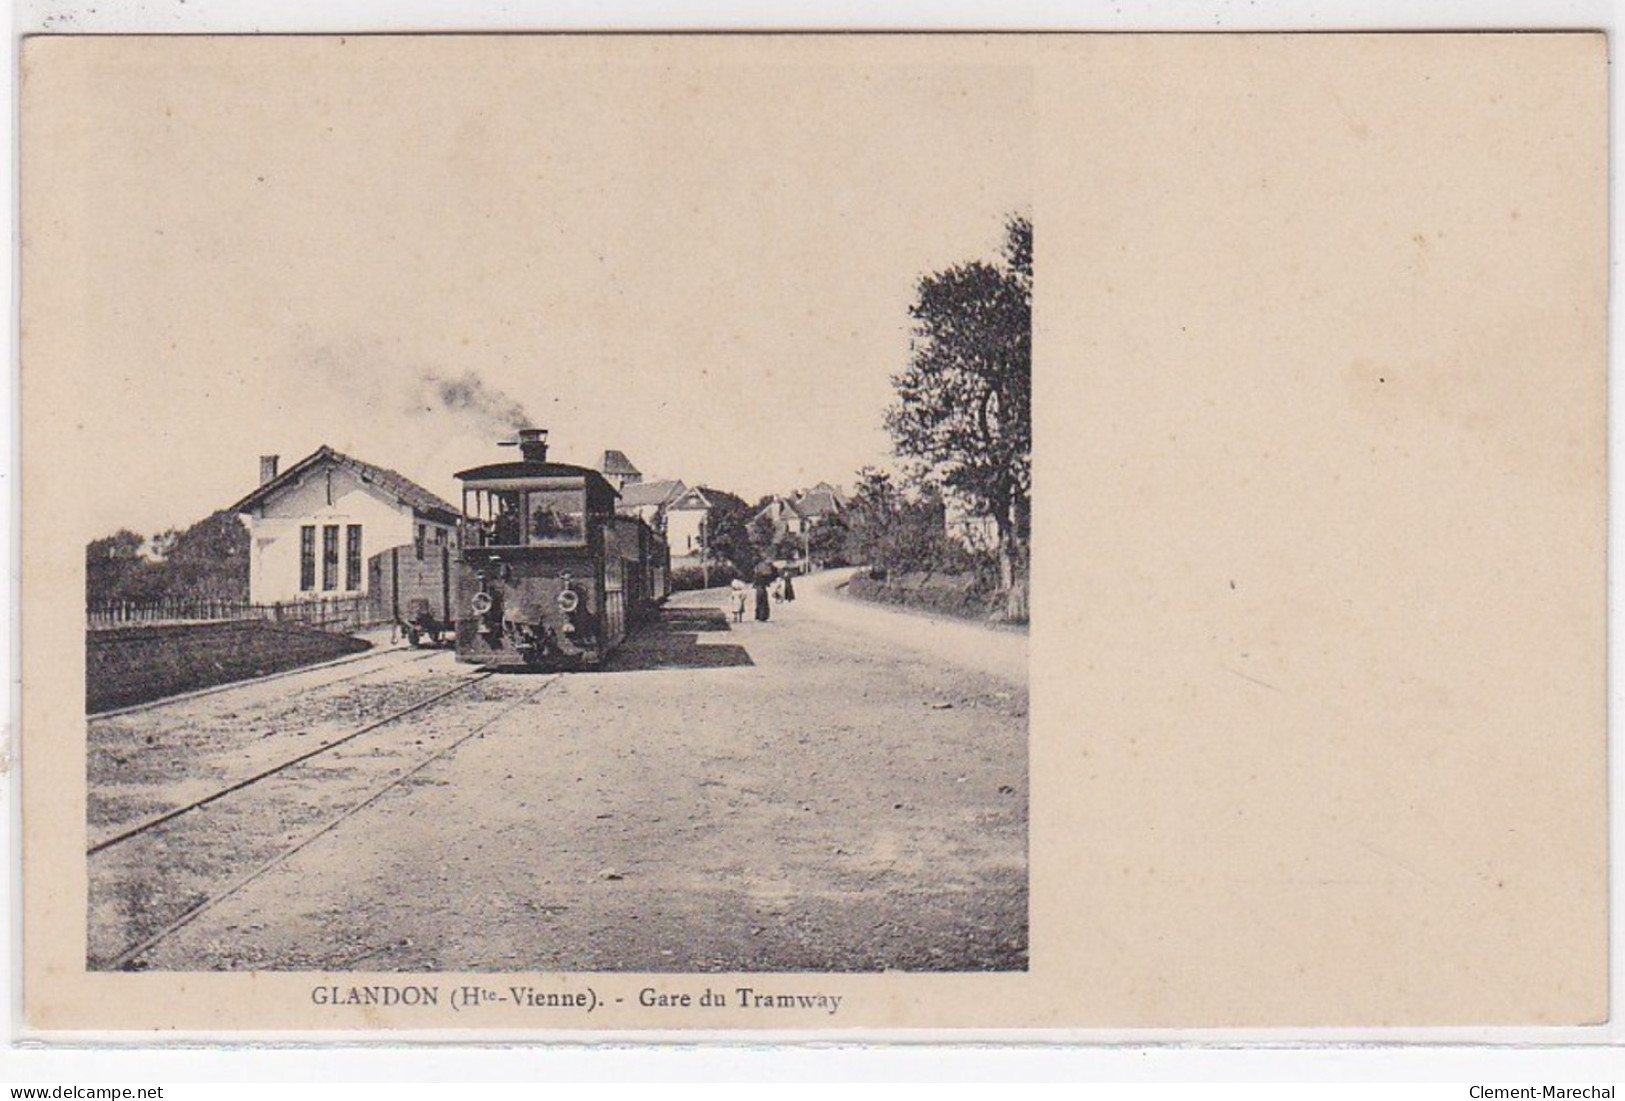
(616, 462)
(641, 494)
(391, 482)
(820, 501)
(781, 504)
(691, 499)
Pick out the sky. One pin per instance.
(698, 252)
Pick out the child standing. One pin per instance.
(736, 598)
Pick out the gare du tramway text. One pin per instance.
(470, 996)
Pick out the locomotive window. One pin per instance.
(555, 517)
(525, 517)
(505, 511)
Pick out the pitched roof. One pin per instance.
(780, 504)
(616, 462)
(690, 499)
(640, 494)
(391, 482)
(820, 501)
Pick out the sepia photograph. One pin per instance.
(721, 666)
(548, 535)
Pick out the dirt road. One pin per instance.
(996, 651)
(804, 794)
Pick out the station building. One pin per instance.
(318, 528)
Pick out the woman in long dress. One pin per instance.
(763, 577)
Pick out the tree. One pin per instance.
(827, 541)
(210, 559)
(964, 408)
(869, 520)
(763, 533)
(895, 530)
(727, 535)
(115, 570)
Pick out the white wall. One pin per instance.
(683, 531)
(274, 558)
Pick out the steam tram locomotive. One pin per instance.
(549, 576)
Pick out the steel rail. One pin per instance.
(174, 813)
(124, 959)
(249, 682)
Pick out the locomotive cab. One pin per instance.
(536, 587)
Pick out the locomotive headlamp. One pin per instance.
(568, 601)
(481, 603)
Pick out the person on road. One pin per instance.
(789, 586)
(736, 597)
(763, 577)
(778, 589)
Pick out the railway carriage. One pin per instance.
(549, 576)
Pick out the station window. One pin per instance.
(330, 557)
(422, 538)
(307, 558)
(352, 557)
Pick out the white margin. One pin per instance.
(1496, 1056)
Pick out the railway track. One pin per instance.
(145, 762)
(170, 815)
(152, 877)
(372, 661)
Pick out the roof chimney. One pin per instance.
(533, 444)
(268, 468)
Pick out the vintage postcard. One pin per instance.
(590, 534)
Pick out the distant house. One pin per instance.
(785, 516)
(820, 503)
(648, 501)
(801, 513)
(685, 524)
(618, 470)
(313, 526)
(671, 507)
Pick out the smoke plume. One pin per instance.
(387, 384)
(469, 398)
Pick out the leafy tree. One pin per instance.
(115, 570)
(727, 533)
(162, 544)
(827, 541)
(896, 530)
(964, 408)
(763, 533)
(209, 560)
(123, 544)
(875, 502)
(788, 545)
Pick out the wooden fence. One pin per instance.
(342, 613)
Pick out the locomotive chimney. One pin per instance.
(268, 468)
(533, 444)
